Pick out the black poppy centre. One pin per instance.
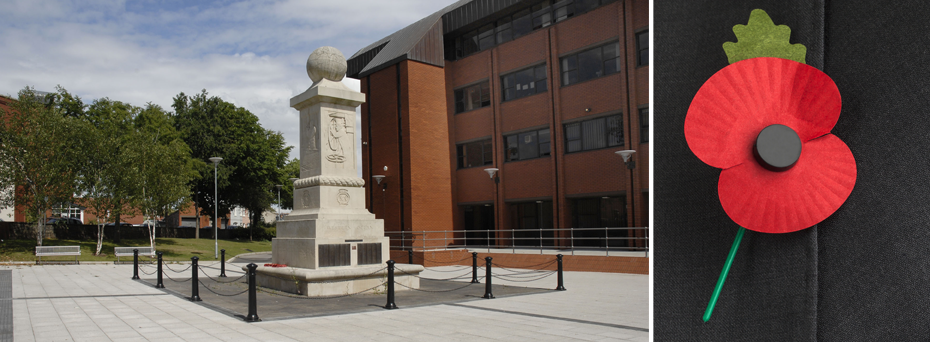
(777, 148)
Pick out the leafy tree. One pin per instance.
(37, 155)
(109, 176)
(253, 157)
(165, 167)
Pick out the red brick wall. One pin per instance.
(426, 133)
(382, 146)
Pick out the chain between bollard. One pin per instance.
(159, 284)
(195, 291)
(135, 264)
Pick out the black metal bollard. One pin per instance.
(253, 310)
(410, 257)
(474, 267)
(195, 286)
(560, 287)
(223, 263)
(487, 279)
(390, 286)
(135, 264)
(159, 284)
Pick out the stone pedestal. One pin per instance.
(329, 235)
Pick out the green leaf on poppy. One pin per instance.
(761, 38)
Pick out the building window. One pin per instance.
(642, 48)
(592, 63)
(594, 134)
(472, 97)
(476, 153)
(510, 27)
(599, 212)
(527, 145)
(644, 125)
(528, 221)
(523, 83)
(68, 210)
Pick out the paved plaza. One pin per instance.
(102, 303)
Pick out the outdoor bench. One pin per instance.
(42, 251)
(127, 251)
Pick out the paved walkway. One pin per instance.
(102, 303)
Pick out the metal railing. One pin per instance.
(564, 240)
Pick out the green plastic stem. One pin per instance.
(723, 274)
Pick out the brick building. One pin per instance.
(544, 91)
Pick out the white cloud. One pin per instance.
(250, 53)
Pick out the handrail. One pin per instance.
(606, 239)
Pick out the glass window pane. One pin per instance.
(504, 34)
(563, 10)
(611, 51)
(589, 64)
(540, 72)
(528, 145)
(474, 155)
(614, 131)
(485, 94)
(488, 152)
(459, 101)
(523, 79)
(460, 152)
(611, 66)
(644, 125)
(642, 47)
(522, 23)
(513, 148)
(543, 136)
(582, 6)
(541, 86)
(471, 97)
(593, 134)
(470, 43)
(486, 37)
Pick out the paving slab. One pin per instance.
(101, 303)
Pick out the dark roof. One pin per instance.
(423, 40)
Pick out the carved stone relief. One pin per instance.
(343, 197)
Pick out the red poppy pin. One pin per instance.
(765, 120)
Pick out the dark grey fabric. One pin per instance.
(863, 274)
(874, 260)
(771, 292)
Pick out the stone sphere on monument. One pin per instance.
(326, 62)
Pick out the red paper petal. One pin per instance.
(737, 102)
(783, 202)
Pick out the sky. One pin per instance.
(250, 53)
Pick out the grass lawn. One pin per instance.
(173, 248)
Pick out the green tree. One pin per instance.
(109, 176)
(253, 157)
(165, 167)
(38, 157)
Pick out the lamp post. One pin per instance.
(630, 165)
(279, 201)
(216, 243)
(497, 180)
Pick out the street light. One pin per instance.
(216, 244)
(630, 164)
